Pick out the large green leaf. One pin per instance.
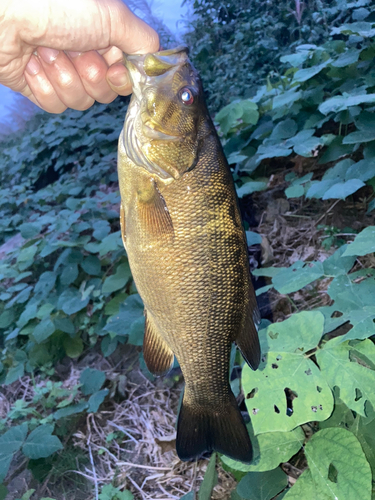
(43, 330)
(287, 377)
(72, 301)
(270, 449)
(355, 381)
(338, 465)
(40, 443)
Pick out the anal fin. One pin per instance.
(158, 356)
(154, 213)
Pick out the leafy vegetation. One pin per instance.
(66, 287)
(237, 44)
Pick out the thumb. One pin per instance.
(128, 32)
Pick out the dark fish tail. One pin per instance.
(208, 428)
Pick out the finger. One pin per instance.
(39, 89)
(64, 79)
(112, 55)
(118, 79)
(92, 70)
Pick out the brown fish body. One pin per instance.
(187, 251)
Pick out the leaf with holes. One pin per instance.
(355, 381)
(288, 389)
(270, 450)
(338, 465)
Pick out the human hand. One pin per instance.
(67, 53)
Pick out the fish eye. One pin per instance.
(186, 96)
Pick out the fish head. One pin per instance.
(167, 116)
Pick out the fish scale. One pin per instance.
(187, 250)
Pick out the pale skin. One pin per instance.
(68, 53)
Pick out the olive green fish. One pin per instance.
(186, 246)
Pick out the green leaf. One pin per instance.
(362, 170)
(188, 496)
(306, 489)
(363, 244)
(109, 492)
(302, 75)
(284, 130)
(338, 264)
(286, 369)
(262, 485)
(73, 346)
(356, 382)
(6, 318)
(40, 443)
(69, 274)
(27, 253)
(91, 265)
(45, 283)
(10, 442)
(3, 491)
(338, 449)
(91, 380)
(295, 191)
(118, 280)
(253, 238)
(14, 373)
(286, 98)
(236, 112)
(251, 187)
(43, 330)
(359, 136)
(359, 28)
(270, 449)
(96, 400)
(339, 103)
(110, 243)
(130, 311)
(71, 301)
(309, 148)
(30, 229)
(343, 189)
(65, 325)
(295, 277)
(347, 58)
(209, 481)
(70, 410)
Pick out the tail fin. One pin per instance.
(205, 428)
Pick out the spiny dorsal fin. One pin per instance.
(158, 356)
(155, 215)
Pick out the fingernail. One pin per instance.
(73, 54)
(33, 66)
(48, 55)
(119, 79)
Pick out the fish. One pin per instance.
(186, 245)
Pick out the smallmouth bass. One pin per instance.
(187, 250)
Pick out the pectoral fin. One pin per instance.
(154, 212)
(248, 340)
(158, 356)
